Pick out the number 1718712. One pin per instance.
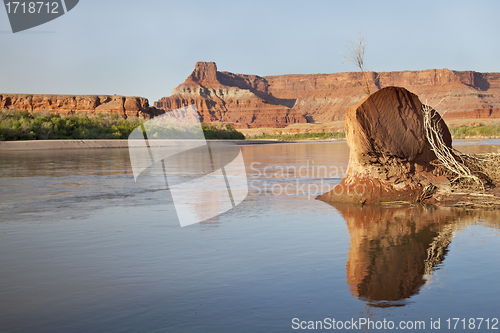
(472, 323)
(38, 7)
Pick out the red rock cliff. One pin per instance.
(325, 97)
(83, 104)
(277, 101)
(242, 100)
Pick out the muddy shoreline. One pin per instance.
(85, 144)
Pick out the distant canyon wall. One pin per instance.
(277, 101)
(80, 104)
(251, 101)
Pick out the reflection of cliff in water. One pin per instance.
(394, 247)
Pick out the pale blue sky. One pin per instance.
(146, 48)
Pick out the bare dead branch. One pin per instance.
(356, 55)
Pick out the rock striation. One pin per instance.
(81, 104)
(278, 101)
(390, 157)
(474, 114)
(242, 100)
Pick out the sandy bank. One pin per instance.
(79, 144)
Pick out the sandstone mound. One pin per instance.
(390, 157)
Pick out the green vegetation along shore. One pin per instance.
(462, 132)
(476, 132)
(21, 125)
(300, 136)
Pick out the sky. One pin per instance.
(146, 48)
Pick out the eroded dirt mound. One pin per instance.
(390, 157)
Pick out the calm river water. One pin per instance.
(83, 248)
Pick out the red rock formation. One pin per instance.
(474, 114)
(86, 104)
(325, 97)
(242, 100)
(250, 101)
(389, 156)
(277, 101)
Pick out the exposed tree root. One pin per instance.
(471, 176)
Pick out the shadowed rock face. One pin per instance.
(389, 155)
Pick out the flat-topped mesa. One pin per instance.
(241, 100)
(79, 104)
(390, 157)
(280, 100)
(325, 97)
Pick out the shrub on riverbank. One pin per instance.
(221, 131)
(461, 132)
(479, 131)
(301, 136)
(21, 125)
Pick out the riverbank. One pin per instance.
(22, 125)
(459, 129)
(102, 143)
(85, 144)
(478, 132)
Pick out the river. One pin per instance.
(85, 248)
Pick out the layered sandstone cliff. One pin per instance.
(81, 104)
(243, 100)
(474, 114)
(278, 101)
(325, 97)
(251, 101)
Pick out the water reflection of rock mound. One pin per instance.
(393, 248)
